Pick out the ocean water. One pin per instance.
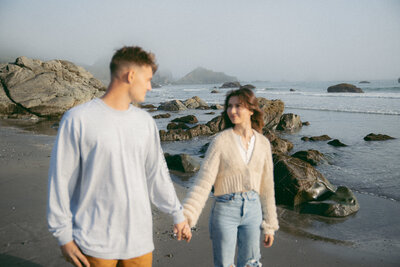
(365, 167)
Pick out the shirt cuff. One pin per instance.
(178, 216)
(65, 237)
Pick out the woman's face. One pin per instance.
(237, 112)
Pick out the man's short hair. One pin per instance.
(132, 55)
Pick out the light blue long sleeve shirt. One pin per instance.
(105, 168)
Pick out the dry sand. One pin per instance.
(25, 241)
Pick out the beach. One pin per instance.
(303, 240)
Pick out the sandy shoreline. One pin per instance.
(25, 241)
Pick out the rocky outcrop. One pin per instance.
(230, 85)
(297, 182)
(179, 125)
(314, 157)
(217, 124)
(174, 105)
(205, 76)
(182, 162)
(199, 130)
(186, 119)
(45, 88)
(214, 92)
(337, 143)
(289, 122)
(217, 106)
(377, 137)
(364, 82)
(344, 88)
(162, 116)
(174, 135)
(273, 110)
(195, 102)
(340, 203)
(316, 138)
(278, 145)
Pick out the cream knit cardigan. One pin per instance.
(224, 168)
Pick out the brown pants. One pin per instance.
(141, 261)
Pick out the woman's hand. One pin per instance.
(268, 240)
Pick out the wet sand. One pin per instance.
(303, 240)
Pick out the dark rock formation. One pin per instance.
(174, 135)
(162, 116)
(292, 90)
(174, 105)
(45, 89)
(195, 102)
(314, 157)
(186, 119)
(217, 106)
(204, 148)
(344, 88)
(364, 82)
(204, 76)
(273, 110)
(247, 86)
(214, 91)
(278, 145)
(147, 106)
(182, 162)
(337, 204)
(180, 125)
(316, 138)
(297, 182)
(217, 124)
(230, 85)
(210, 113)
(377, 137)
(289, 122)
(305, 123)
(199, 130)
(336, 142)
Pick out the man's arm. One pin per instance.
(63, 174)
(161, 189)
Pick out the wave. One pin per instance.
(347, 110)
(348, 95)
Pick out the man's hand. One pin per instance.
(268, 240)
(73, 254)
(182, 230)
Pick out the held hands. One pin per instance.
(268, 240)
(182, 231)
(73, 254)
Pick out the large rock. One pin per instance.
(278, 145)
(337, 204)
(316, 138)
(314, 157)
(204, 76)
(174, 135)
(199, 130)
(344, 88)
(182, 162)
(162, 116)
(273, 110)
(217, 124)
(289, 122)
(174, 105)
(195, 102)
(179, 125)
(47, 89)
(186, 119)
(377, 137)
(230, 85)
(297, 182)
(336, 142)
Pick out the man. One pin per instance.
(106, 166)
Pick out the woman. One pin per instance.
(239, 166)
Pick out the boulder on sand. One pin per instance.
(182, 162)
(174, 105)
(46, 89)
(195, 102)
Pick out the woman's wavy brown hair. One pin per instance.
(249, 100)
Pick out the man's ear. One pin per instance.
(131, 75)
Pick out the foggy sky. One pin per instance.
(253, 40)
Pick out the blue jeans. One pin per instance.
(236, 217)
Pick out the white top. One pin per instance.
(106, 166)
(245, 154)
